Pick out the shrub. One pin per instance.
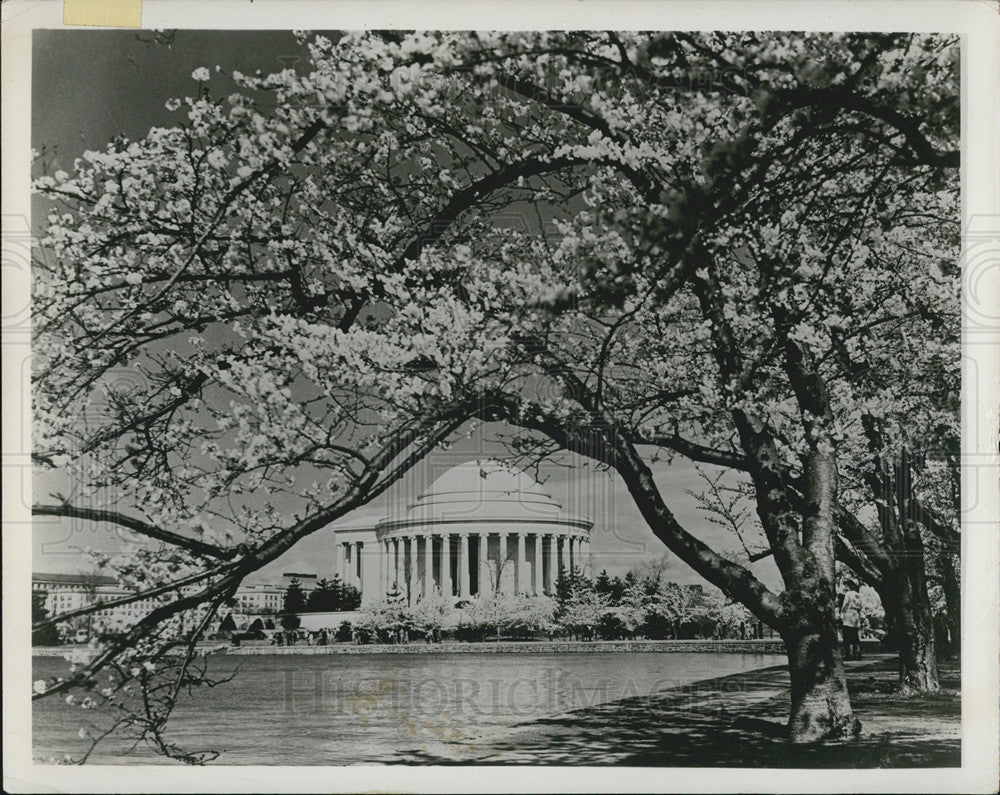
(345, 632)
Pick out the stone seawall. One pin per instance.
(767, 646)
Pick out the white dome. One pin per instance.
(484, 489)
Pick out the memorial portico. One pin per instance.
(481, 525)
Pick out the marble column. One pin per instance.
(383, 568)
(446, 588)
(463, 565)
(359, 566)
(501, 561)
(521, 565)
(412, 581)
(564, 556)
(553, 562)
(537, 569)
(484, 572)
(394, 550)
(390, 577)
(338, 558)
(428, 565)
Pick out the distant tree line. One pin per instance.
(645, 604)
(329, 596)
(642, 604)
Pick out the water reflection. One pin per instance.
(345, 709)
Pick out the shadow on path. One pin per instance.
(734, 721)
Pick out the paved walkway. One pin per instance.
(733, 721)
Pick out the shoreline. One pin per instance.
(766, 646)
(749, 646)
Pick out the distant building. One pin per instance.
(481, 525)
(67, 592)
(259, 598)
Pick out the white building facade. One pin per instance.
(68, 592)
(480, 528)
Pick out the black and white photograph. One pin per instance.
(482, 401)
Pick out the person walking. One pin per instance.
(850, 621)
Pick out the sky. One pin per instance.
(88, 86)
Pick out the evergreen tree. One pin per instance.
(617, 590)
(295, 603)
(331, 596)
(349, 598)
(47, 636)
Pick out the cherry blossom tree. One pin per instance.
(798, 297)
(627, 245)
(197, 390)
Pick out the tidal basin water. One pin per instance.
(337, 709)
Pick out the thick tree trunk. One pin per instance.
(918, 671)
(905, 579)
(910, 632)
(952, 599)
(821, 704)
(802, 544)
(917, 657)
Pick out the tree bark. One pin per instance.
(909, 630)
(905, 574)
(821, 704)
(918, 670)
(917, 656)
(952, 599)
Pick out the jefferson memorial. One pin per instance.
(482, 526)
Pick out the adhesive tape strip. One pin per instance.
(104, 13)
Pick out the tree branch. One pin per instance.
(602, 443)
(136, 525)
(841, 97)
(692, 450)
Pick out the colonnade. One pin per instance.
(464, 564)
(349, 563)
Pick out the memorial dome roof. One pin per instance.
(485, 490)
